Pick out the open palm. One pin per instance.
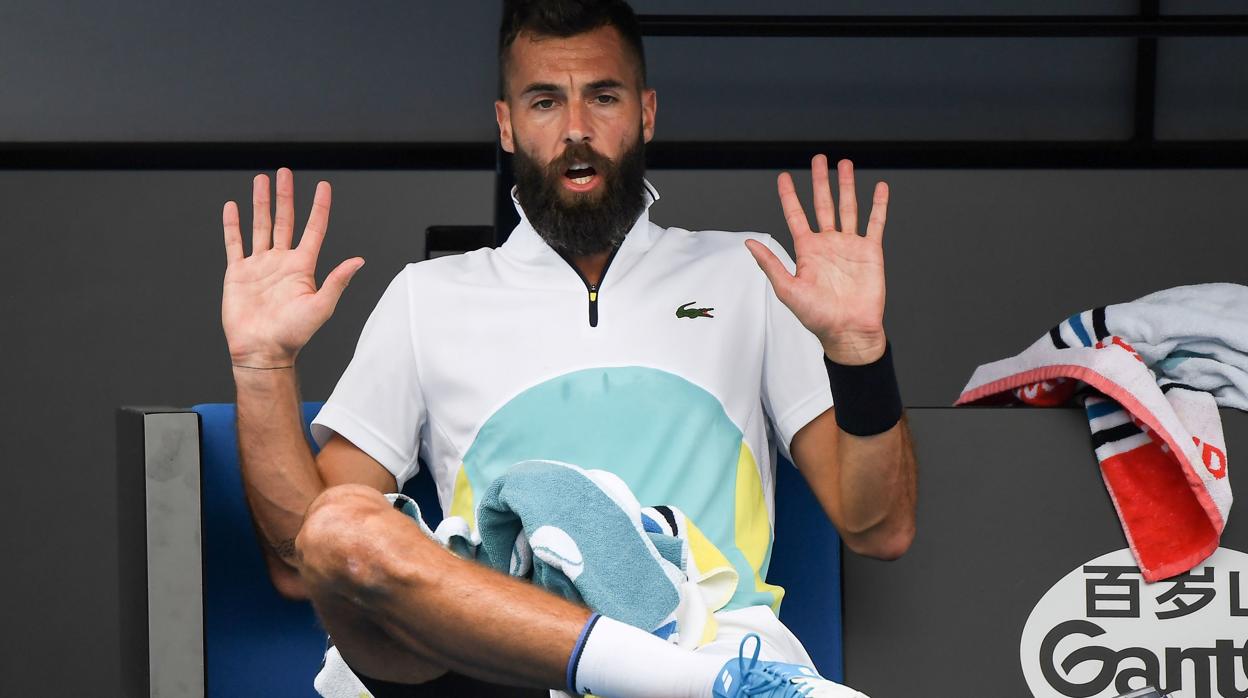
(838, 290)
(270, 304)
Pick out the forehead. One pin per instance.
(595, 55)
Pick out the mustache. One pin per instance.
(580, 153)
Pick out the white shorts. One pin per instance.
(779, 644)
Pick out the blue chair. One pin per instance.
(257, 643)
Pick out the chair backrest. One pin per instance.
(806, 561)
(257, 643)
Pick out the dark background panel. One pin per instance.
(887, 7)
(1205, 88)
(877, 89)
(232, 70)
(1211, 7)
(323, 71)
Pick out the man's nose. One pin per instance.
(577, 129)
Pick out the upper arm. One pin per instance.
(814, 450)
(342, 463)
(372, 421)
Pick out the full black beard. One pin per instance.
(591, 222)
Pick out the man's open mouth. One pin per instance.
(580, 173)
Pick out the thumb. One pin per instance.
(338, 279)
(771, 265)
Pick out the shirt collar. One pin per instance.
(525, 243)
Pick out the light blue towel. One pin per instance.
(579, 534)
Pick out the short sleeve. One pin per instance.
(377, 404)
(795, 382)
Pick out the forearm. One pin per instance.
(280, 477)
(877, 489)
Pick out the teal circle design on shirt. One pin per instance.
(670, 440)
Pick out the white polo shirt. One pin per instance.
(478, 361)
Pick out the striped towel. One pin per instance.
(1150, 374)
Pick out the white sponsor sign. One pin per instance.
(1100, 631)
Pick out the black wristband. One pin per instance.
(866, 397)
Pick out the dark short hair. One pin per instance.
(564, 18)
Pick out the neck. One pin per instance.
(592, 266)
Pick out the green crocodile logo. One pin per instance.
(686, 311)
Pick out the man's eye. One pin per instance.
(605, 99)
(544, 104)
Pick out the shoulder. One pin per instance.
(448, 268)
(720, 245)
(410, 289)
(715, 241)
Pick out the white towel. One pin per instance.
(336, 680)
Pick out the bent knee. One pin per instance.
(352, 537)
(338, 541)
(338, 511)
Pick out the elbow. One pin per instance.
(895, 545)
(882, 543)
(283, 575)
(287, 582)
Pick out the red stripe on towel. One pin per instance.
(1165, 524)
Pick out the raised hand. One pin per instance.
(270, 305)
(838, 291)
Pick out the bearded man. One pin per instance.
(673, 359)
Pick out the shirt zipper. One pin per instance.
(592, 289)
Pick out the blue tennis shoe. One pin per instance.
(740, 678)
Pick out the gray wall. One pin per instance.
(110, 290)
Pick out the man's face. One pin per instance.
(576, 119)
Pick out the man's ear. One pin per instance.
(502, 114)
(649, 105)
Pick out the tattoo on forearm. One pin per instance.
(285, 549)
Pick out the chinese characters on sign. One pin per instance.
(1114, 592)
